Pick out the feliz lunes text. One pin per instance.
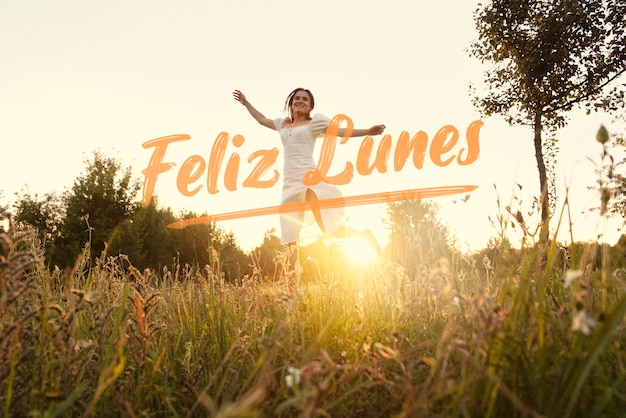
(196, 172)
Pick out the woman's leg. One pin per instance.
(366, 235)
(344, 231)
(317, 214)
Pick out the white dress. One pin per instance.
(298, 146)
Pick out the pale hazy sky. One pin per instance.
(79, 76)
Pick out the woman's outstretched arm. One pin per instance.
(258, 116)
(374, 130)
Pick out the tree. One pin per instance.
(4, 213)
(235, 264)
(267, 255)
(144, 237)
(417, 238)
(148, 243)
(192, 245)
(45, 214)
(98, 202)
(101, 208)
(547, 57)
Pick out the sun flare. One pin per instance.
(358, 251)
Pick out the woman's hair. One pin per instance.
(289, 100)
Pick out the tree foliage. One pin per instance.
(267, 256)
(418, 240)
(45, 214)
(101, 198)
(4, 212)
(233, 262)
(547, 57)
(144, 237)
(101, 209)
(147, 241)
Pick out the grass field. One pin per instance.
(502, 333)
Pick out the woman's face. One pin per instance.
(301, 103)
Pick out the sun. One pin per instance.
(358, 251)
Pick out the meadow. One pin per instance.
(537, 331)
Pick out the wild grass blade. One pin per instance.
(576, 379)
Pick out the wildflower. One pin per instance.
(293, 377)
(570, 276)
(456, 301)
(83, 345)
(583, 323)
(487, 263)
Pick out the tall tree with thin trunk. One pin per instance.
(547, 57)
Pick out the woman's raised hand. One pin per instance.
(239, 96)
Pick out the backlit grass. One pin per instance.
(501, 333)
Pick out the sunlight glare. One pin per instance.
(358, 251)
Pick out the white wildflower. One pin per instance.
(570, 276)
(293, 378)
(583, 323)
(83, 345)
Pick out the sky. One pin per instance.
(79, 77)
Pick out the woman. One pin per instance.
(298, 133)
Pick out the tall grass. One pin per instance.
(494, 335)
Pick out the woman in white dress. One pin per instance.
(298, 133)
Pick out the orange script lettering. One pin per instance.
(443, 150)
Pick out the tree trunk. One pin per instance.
(543, 177)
